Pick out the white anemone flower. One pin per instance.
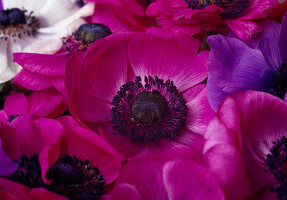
(36, 26)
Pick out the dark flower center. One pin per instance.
(231, 8)
(147, 112)
(90, 32)
(71, 177)
(85, 36)
(280, 85)
(149, 107)
(277, 163)
(15, 23)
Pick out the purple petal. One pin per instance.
(236, 67)
(283, 39)
(7, 166)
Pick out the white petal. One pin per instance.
(3, 56)
(85, 11)
(9, 72)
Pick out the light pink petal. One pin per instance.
(199, 112)
(86, 144)
(44, 102)
(244, 29)
(32, 81)
(189, 180)
(16, 103)
(168, 58)
(52, 65)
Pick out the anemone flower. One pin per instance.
(35, 26)
(172, 175)
(248, 141)
(193, 16)
(122, 15)
(41, 71)
(142, 98)
(55, 158)
(258, 64)
(46, 103)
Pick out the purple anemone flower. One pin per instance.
(259, 64)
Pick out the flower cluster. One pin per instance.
(143, 99)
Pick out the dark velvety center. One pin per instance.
(231, 8)
(149, 107)
(13, 17)
(280, 85)
(277, 164)
(74, 178)
(90, 32)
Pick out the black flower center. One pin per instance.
(231, 8)
(16, 23)
(90, 32)
(71, 177)
(147, 112)
(277, 163)
(149, 107)
(280, 85)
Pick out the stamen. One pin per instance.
(148, 112)
(15, 24)
(280, 85)
(231, 8)
(71, 177)
(277, 164)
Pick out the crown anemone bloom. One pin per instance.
(258, 64)
(122, 15)
(248, 141)
(35, 26)
(194, 16)
(141, 97)
(55, 158)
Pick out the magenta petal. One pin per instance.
(10, 143)
(199, 112)
(44, 102)
(43, 194)
(175, 59)
(16, 103)
(29, 139)
(7, 166)
(42, 63)
(86, 144)
(32, 81)
(188, 180)
(125, 191)
(3, 117)
(107, 72)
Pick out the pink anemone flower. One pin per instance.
(123, 15)
(45, 103)
(246, 146)
(170, 175)
(142, 99)
(55, 158)
(193, 16)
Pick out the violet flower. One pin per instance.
(258, 64)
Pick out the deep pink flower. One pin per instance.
(193, 16)
(143, 98)
(244, 144)
(45, 103)
(46, 143)
(123, 15)
(170, 175)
